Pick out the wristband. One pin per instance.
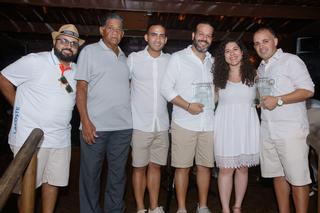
(188, 107)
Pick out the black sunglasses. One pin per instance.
(64, 81)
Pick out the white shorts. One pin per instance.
(286, 156)
(52, 166)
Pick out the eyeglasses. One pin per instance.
(66, 42)
(65, 82)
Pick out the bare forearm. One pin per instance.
(192, 108)
(7, 89)
(299, 95)
(81, 99)
(180, 102)
(296, 96)
(88, 129)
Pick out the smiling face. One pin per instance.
(265, 44)
(233, 54)
(66, 48)
(202, 38)
(156, 38)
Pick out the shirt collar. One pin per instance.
(104, 46)
(276, 56)
(54, 58)
(145, 51)
(190, 51)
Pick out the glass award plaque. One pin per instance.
(264, 87)
(203, 93)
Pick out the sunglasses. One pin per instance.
(65, 82)
(66, 42)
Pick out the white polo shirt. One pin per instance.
(289, 73)
(41, 100)
(149, 107)
(184, 72)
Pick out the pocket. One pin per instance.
(289, 130)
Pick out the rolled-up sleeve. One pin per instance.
(170, 78)
(299, 74)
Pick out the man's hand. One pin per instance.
(192, 108)
(89, 132)
(268, 102)
(195, 108)
(88, 129)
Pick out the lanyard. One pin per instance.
(63, 68)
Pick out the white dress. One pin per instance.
(236, 127)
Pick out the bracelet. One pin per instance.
(188, 107)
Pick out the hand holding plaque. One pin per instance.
(203, 93)
(264, 87)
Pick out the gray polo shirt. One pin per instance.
(108, 87)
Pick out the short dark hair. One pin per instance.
(263, 28)
(111, 16)
(202, 22)
(156, 23)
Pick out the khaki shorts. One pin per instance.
(286, 157)
(188, 145)
(52, 166)
(149, 147)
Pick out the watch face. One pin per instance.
(280, 102)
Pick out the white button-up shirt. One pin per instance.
(289, 73)
(149, 107)
(184, 72)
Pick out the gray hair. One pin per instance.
(111, 16)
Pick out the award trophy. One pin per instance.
(203, 93)
(264, 87)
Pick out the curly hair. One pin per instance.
(221, 69)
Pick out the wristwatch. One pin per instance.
(280, 101)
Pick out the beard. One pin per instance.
(198, 47)
(65, 58)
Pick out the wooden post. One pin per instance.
(18, 165)
(28, 186)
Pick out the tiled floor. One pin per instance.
(259, 197)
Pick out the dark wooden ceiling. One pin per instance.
(37, 18)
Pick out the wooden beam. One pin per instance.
(186, 7)
(93, 30)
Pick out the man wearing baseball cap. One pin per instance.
(44, 98)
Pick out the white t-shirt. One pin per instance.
(149, 107)
(191, 78)
(288, 72)
(41, 100)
